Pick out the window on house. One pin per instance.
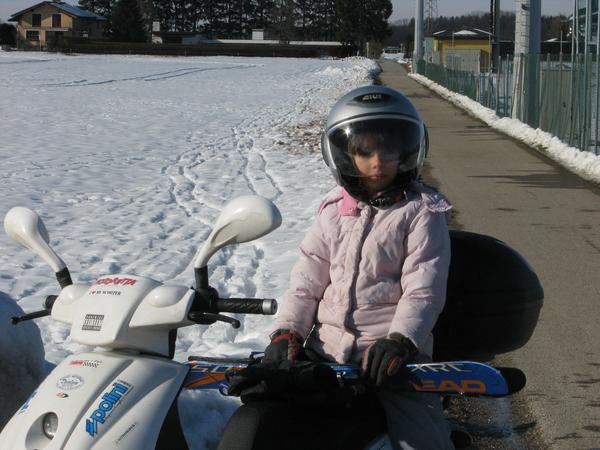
(32, 35)
(56, 21)
(36, 20)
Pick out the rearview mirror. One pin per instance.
(243, 219)
(26, 228)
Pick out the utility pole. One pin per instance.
(495, 30)
(526, 67)
(418, 46)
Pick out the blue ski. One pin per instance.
(449, 378)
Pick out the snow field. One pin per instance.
(128, 160)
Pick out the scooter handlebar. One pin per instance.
(267, 306)
(48, 303)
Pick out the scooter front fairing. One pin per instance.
(97, 400)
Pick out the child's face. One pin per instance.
(376, 165)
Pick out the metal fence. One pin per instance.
(555, 93)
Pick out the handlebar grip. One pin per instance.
(48, 303)
(30, 316)
(267, 306)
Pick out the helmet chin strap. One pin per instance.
(394, 193)
(388, 197)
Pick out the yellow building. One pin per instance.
(463, 50)
(38, 25)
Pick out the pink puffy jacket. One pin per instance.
(367, 272)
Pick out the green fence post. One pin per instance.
(597, 121)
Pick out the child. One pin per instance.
(371, 278)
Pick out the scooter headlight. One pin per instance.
(50, 425)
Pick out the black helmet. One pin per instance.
(369, 120)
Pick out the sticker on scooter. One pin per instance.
(116, 281)
(125, 433)
(69, 382)
(26, 404)
(92, 322)
(104, 409)
(93, 363)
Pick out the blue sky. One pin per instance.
(403, 9)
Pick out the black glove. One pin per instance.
(386, 357)
(285, 345)
(303, 383)
(256, 381)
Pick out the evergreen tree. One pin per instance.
(348, 21)
(376, 21)
(325, 23)
(360, 22)
(283, 20)
(163, 14)
(240, 16)
(100, 7)
(306, 15)
(179, 15)
(127, 22)
(147, 12)
(212, 25)
(261, 14)
(8, 34)
(196, 14)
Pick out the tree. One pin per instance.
(261, 13)
(306, 15)
(163, 14)
(362, 21)
(240, 16)
(127, 22)
(101, 7)
(8, 34)
(322, 25)
(283, 20)
(375, 26)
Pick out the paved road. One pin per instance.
(505, 189)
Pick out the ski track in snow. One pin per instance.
(129, 176)
(151, 77)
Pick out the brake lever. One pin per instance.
(205, 318)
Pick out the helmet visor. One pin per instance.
(383, 147)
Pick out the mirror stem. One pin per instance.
(64, 278)
(201, 275)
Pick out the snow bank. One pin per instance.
(398, 57)
(131, 176)
(584, 164)
(21, 359)
(356, 72)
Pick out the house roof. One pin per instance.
(464, 34)
(64, 7)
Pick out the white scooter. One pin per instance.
(125, 395)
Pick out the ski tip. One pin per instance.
(515, 378)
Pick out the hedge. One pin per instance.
(267, 50)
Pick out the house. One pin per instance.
(468, 50)
(44, 22)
